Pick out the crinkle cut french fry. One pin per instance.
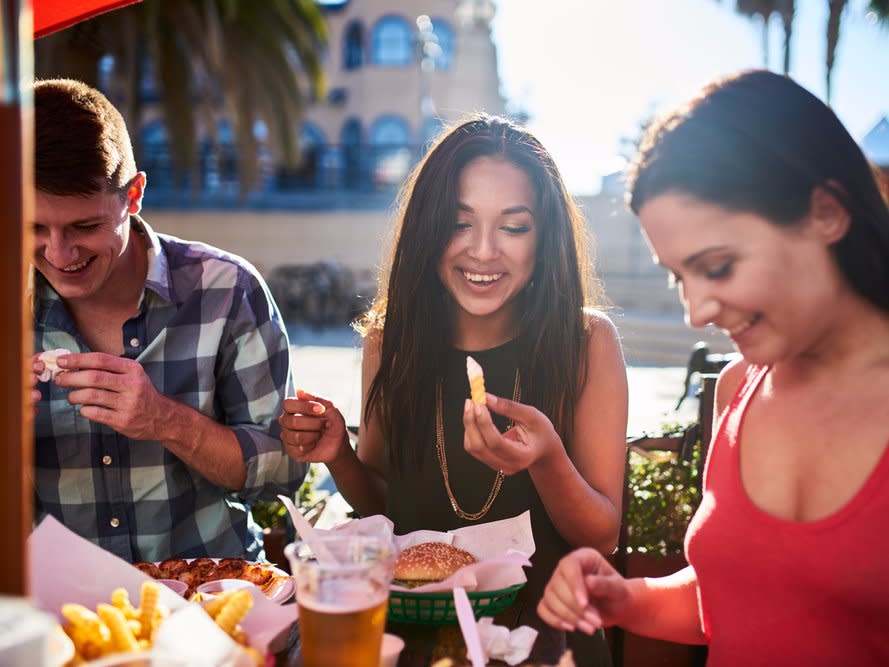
(148, 608)
(215, 605)
(90, 635)
(476, 381)
(122, 636)
(121, 599)
(87, 644)
(234, 611)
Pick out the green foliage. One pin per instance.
(273, 514)
(269, 513)
(664, 492)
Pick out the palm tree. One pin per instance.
(880, 9)
(835, 14)
(764, 9)
(247, 62)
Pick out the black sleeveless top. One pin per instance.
(418, 500)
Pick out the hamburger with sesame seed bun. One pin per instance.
(429, 562)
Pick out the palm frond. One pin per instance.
(249, 61)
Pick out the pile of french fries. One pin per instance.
(120, 627)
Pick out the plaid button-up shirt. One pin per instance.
(209, 335)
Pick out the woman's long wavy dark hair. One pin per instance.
(759, 142)
(411, 309)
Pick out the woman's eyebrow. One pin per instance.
(510, 210)
(689, 261)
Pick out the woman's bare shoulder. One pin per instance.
(603, 347)
(598, 323)
(729, 380)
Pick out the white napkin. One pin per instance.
(499, 643)
(486, 641)
(193, 637)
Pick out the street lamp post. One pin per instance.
(428, 50)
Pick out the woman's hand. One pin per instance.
(313, 429)
(531, 438)
(584, 593)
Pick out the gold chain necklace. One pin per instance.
(443, 461)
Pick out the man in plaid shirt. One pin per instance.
(163, 430)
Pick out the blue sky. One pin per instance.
(611, 63)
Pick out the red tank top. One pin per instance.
(785, 593)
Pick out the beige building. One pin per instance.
(396, 71)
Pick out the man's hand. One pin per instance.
(33, 378)
(116, 392)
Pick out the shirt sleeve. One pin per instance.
(253, 379)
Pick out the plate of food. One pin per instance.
(275, 583)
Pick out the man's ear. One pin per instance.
(829, 216)
(135, 192)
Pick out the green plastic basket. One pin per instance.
(439, 609)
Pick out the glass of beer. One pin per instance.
(342, 591)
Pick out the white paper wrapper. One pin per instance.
(501, 643)
(64, 567)
(501, 547)
(50, 367)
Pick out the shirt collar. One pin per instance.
(158, 277)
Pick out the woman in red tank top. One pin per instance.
(770, 219)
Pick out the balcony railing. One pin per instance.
(330, 176)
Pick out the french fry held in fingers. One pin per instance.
(476, 381)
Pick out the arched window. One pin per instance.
(390, 146)
(444, 34)
(106, 73)
(353, 45)
(392, 42)
(350, 139)
(311, 150)
(148, 84)
(155, 158)
(222, 159)
(390, 130)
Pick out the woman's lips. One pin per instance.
(740, 329)
(482, 278)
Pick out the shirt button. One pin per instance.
(134, 342)
(106, 460)
(115, 522)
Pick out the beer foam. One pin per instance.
(346, 602)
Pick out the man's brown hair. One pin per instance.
(81, 141)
